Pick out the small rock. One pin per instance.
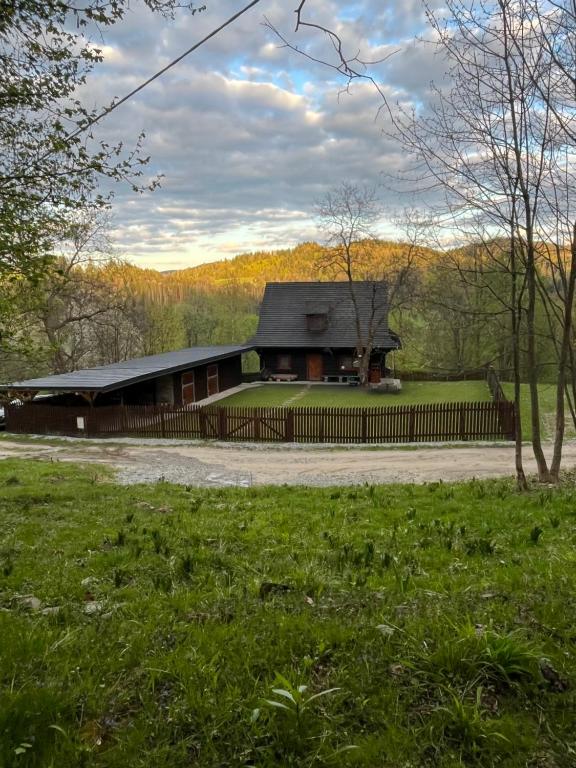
(51, 610)
(92, 607)
(557, 683)
(31, 603)
(270, 588)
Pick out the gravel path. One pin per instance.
(202, 464)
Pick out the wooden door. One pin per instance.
(375, 374)
(314, 366)
(188, 388)
(212, 380)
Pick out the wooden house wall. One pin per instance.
(229, 375)
(230, 372)
(299, 366)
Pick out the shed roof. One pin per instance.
(285, 307)
(109, 377)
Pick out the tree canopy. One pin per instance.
(51, 160)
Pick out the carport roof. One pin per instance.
(109, 377)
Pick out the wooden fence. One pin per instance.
(479, 374)
(394, 424)
(474, 375)
(494, 386)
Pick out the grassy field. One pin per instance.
(547, 397)
(413, 392)
(390, 627)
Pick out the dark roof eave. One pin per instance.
(391, 345)
(130, 381)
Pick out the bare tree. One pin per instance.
(347, 216)
(544, 33)
(490, 143)
(73, 302)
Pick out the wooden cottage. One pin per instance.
(309, 331)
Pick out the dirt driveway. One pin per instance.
(244, 465)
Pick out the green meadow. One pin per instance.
(393, 626)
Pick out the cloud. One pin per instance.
(249, 135)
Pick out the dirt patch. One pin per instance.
(242, 465)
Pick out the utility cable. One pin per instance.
(158, 74)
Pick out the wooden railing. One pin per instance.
(477, 374)
(501, 401)
(394, 424)
(494, 385)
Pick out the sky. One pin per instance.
(249, 135)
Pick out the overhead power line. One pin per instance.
(158, 74)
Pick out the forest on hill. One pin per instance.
(87, 311)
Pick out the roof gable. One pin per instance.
(287, 306)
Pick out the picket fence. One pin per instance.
(393, 424)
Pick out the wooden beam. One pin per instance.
(26, 395)
(89, 396)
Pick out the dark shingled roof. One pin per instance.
(109, 377)
(283, 316)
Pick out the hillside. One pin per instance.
(299, 263)
(246, 275)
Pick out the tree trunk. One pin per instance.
(531, 358)
(563, 362)
(515, 317)
(364, 368)
(360, 346)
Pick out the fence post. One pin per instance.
(507, 418)
(202, 419)
(222, 423)
(412, 424)
(289, 433)
(162, 424)
(364, 426)
(256, 420)
(122, 419)
(513, 421)
(462, 421)
(91, 423)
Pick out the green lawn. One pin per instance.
(169, 627)
(547, 398)
(327, 395)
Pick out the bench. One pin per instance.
(283, 377)
(341, 378)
